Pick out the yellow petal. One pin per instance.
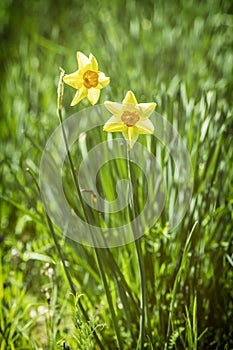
(131, 135)
(80, 94)
(115, 108)
(145, 127)
(73, 79)
(82, 60)
(130, 98)
(93, 95)
(114, 125)
(103, 80)
(94, 63)
(146, 109)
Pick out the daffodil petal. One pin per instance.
(130, 98)
(115, 108)
(83, 60)
(80, 95)
(73, 79)
(103, 80)
(130, 108)
(146, 109)
(131, 135)
(94, 63)
(93, 95)
(145, 127)
(114, 125)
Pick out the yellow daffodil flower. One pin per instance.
(87, 80)
(130, 118)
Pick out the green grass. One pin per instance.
(178, 54)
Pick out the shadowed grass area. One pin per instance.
(178, 54)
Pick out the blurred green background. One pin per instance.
(176, 53)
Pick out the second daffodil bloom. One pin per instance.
(130, 118)
(87, 80)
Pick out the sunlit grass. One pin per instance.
(178, 55)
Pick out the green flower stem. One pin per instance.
(126, 296)
(97, 253)
(67, 272)
(139, 260)
(124, 292)
(117, 272)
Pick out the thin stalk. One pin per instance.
(67, 272)
(125, 303)
(116, 271)
(123, 289)
(85, 212)
(140, 263)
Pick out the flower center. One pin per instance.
(90, 79)
(130, 118)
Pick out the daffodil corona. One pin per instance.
(87, 80)
(130, 118)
